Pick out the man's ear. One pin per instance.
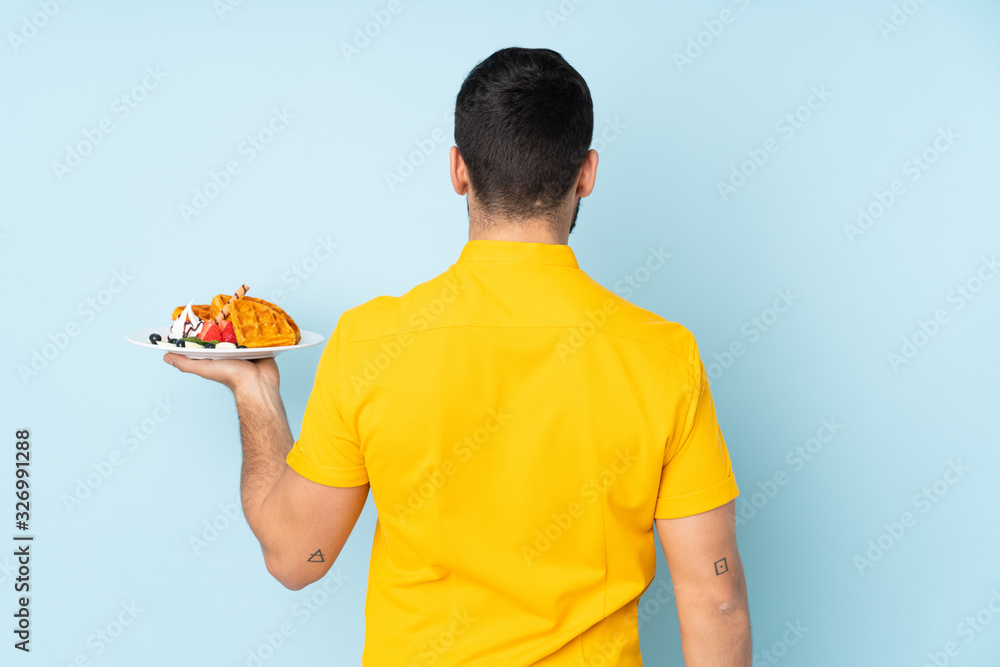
(588, 174)
(459, 174)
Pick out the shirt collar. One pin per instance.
(487, 250)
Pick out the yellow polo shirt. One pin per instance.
(521, 426)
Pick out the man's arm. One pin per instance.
(301, 525)
(709, 587)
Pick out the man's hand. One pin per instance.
(709, 587)
(233, 373)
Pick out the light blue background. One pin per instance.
(682, 131)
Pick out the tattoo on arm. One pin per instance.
(721, 567)
(316, 557)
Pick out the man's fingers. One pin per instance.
(182, 363)
(225, 371)
(201, 367)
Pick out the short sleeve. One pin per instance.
(327, 450)
(697, 474)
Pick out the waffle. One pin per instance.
(259, 325)
(204, 312)
(221, 300)
(291, 322)
(218, 303)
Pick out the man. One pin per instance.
(521, 428)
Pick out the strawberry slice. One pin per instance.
(210, 332)
(228, 333)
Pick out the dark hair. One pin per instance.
(524, 121)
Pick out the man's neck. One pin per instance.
(528, 231)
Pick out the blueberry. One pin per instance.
(155, 338)
(181, 343)
(172, 341)
(241, 347)
(209, 346)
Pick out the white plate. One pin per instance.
(140, 337)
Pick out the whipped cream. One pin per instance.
(186, 324)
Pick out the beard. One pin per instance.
(576, 212)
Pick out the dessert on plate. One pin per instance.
(230, 322)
